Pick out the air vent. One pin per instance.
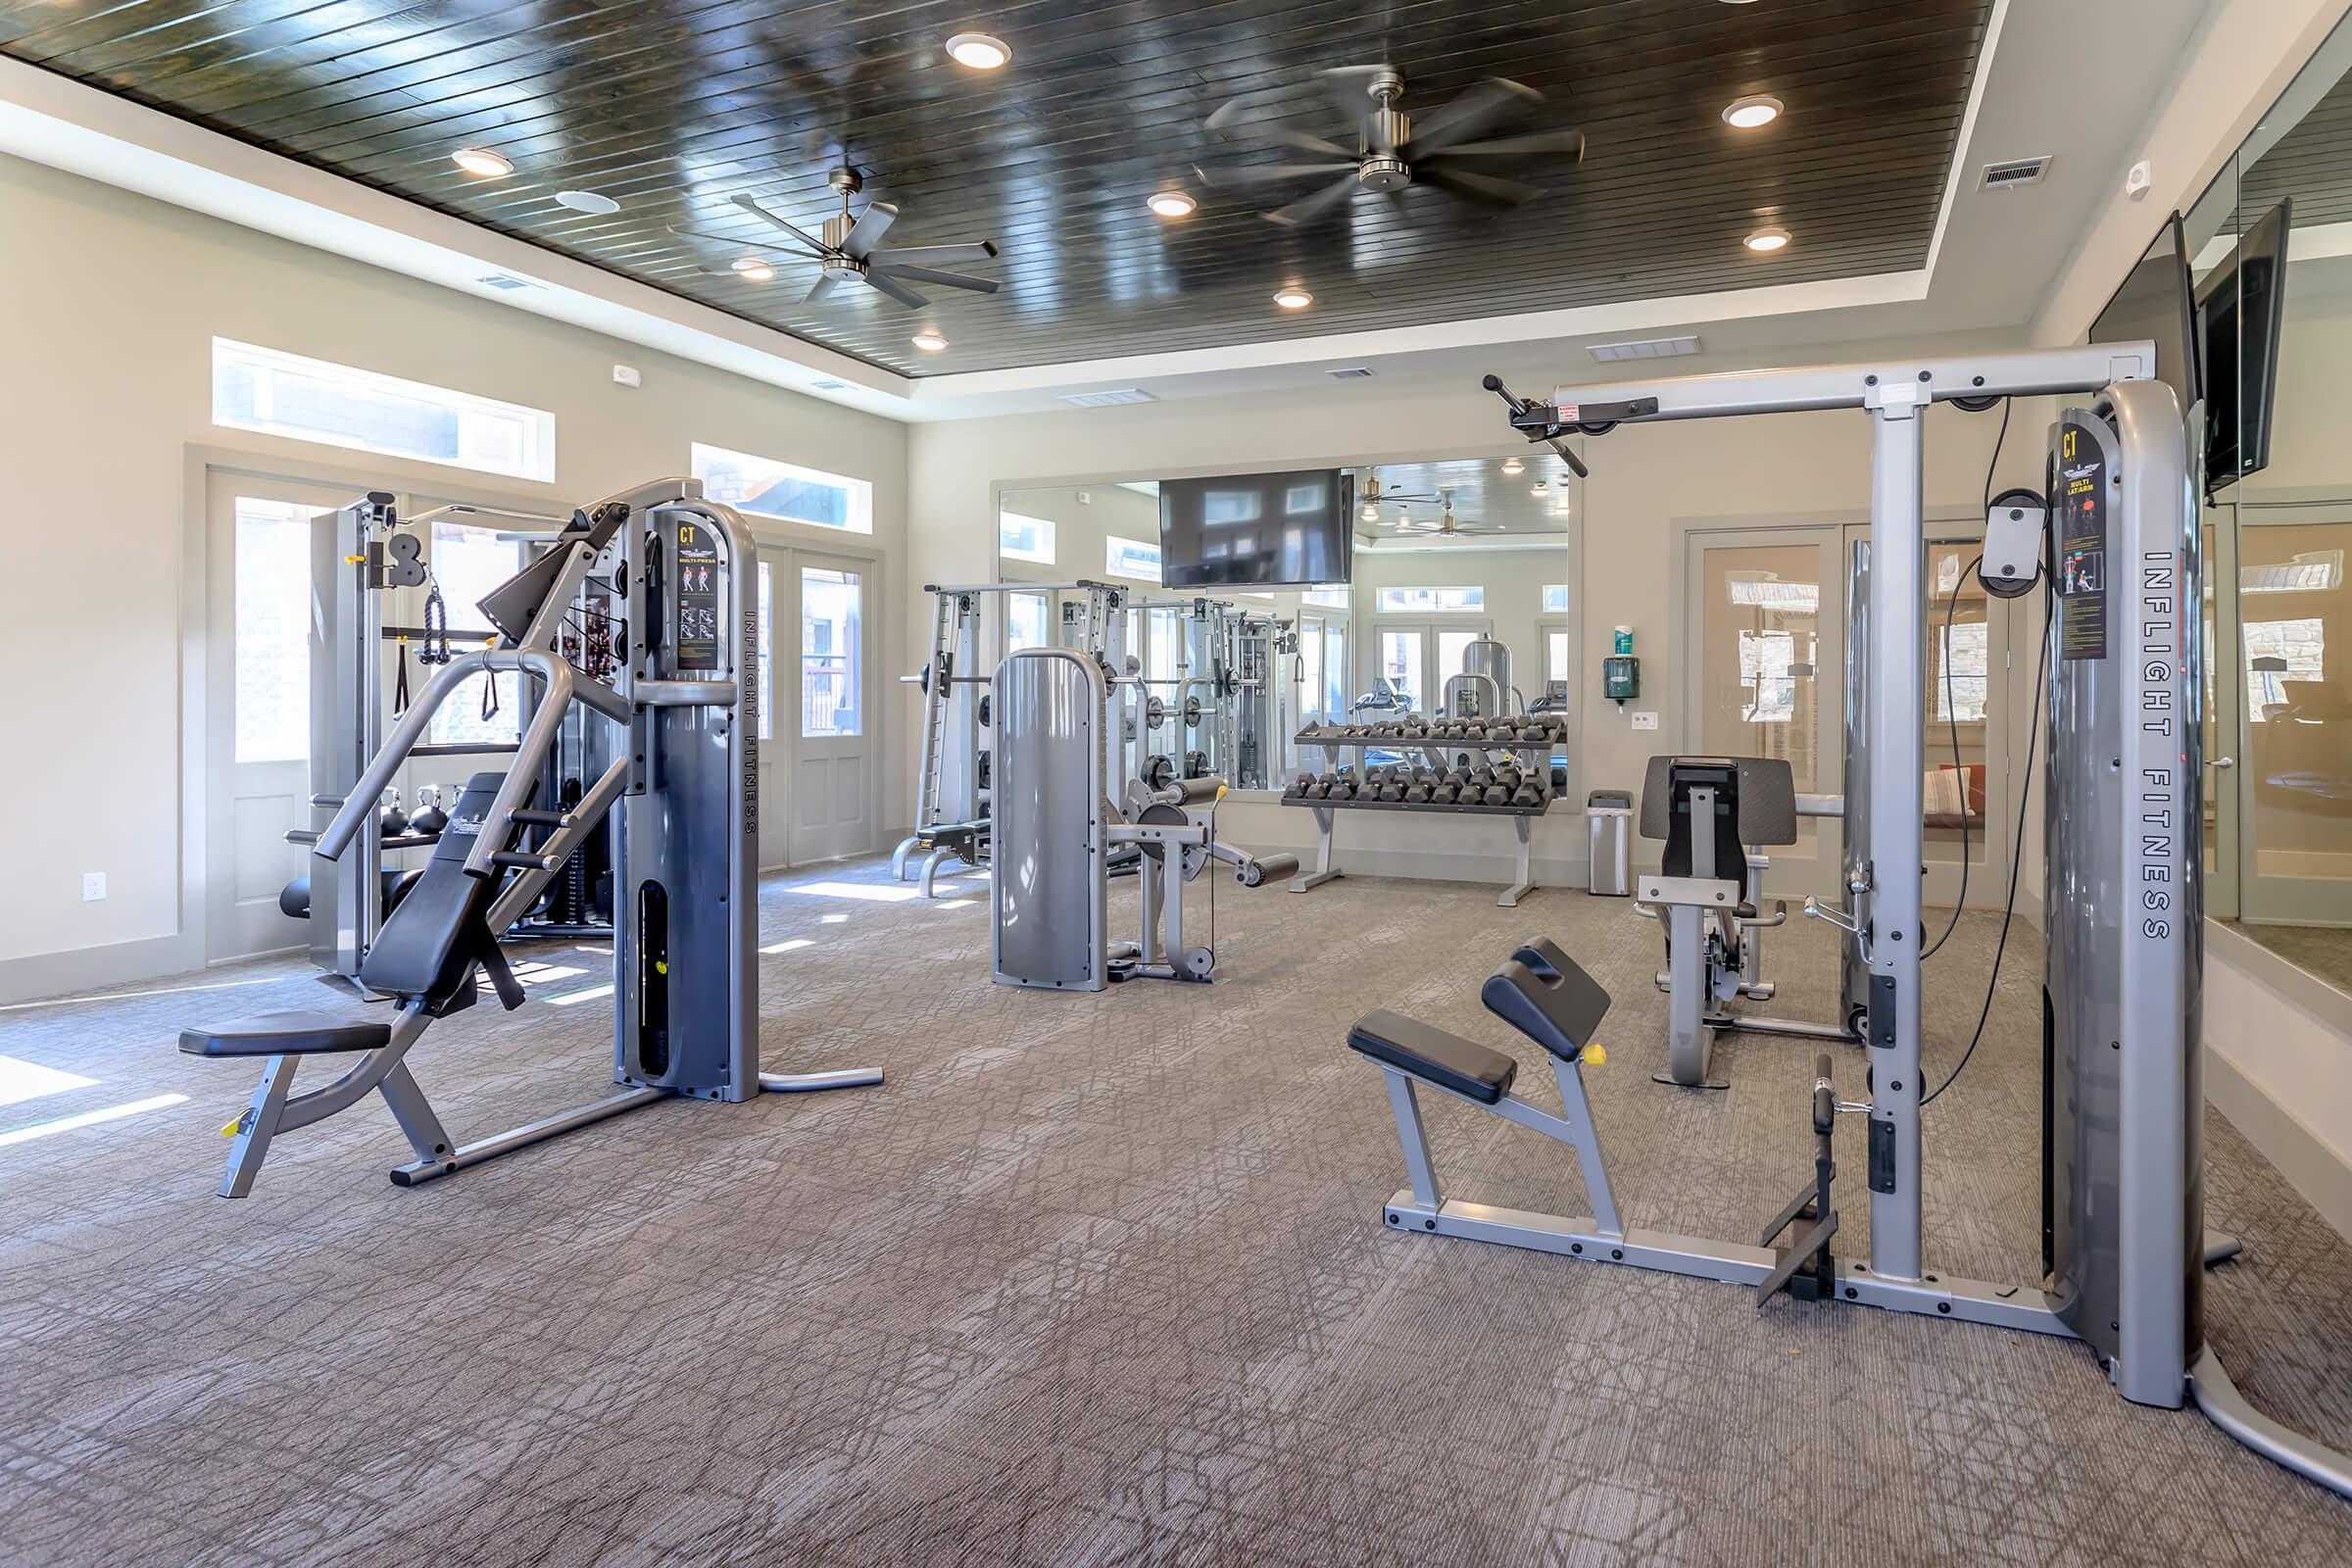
(1354, 372)
(2016, 172)
(826, 386)
(1104, 400)
(1654, 348)
(501, 280)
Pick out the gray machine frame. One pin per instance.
(682, 796)
(2125, 1211)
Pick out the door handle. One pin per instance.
(2223, 762)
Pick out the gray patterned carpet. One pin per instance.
(1093, 1280)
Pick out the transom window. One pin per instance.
(766, 487)
(1402, 600)
(340, 405)
(1021, 538)
(1555, 599)
(1329, 598)
(1130, 558)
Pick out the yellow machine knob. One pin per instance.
(1594, 1055)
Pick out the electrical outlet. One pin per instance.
(93, 886)
(1644, 721)
(627, 376)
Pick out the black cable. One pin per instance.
(1951, 708)
(2017, 860)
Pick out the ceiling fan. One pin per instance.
(1385, 151)
(850, 251)
(1374, 492)
(1444, 524)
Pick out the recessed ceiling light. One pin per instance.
(1513, 467)
(1538, 488)
(482, 162)
(754, 268)
(1172, 203)
(1767, 239)
(1757, 109)
(977, 51)
(1371, 513)
(587, 201)
(1293, 299)
(929, 341)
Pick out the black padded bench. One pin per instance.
(1425, 1050)
(289, 1034)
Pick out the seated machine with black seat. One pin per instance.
(679, 799)
(1708, 891)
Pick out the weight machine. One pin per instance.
(1049, 894)
(2122, 1192)
(361, 554)
(682, 796)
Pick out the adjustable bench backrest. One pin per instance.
(1755, 802)
(1542, 993)
(431, 942)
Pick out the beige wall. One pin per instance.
(105, 391)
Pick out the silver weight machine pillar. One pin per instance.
(1897, 677)
(1048, 898)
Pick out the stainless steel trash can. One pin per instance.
(1609, 821)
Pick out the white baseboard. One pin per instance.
(2299, 1153)
(63, 974)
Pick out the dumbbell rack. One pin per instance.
(1522, 816)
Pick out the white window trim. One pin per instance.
(860, 491)
(1544, 603)
(539, 445)
(1049, 532)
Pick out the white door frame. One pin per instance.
(790, 749)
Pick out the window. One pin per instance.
(2276, 651)
(467, 564)
(765, 690)
(1555, 656)
(273, 630)
(1396, 599)
(1766, 685)
(1028, 622)
(1962, 660)
(1021, 538)
(784, 491)
(1328, 598)
(1555, 599)
(311, 400)
(829, 652)
(1130, 558)
(1452, 646)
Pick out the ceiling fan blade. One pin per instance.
(923, 255)
(757, 210)
(1346, 86)
(741, 244)
(1571, 142)
(924, 274)
(819, 289)
(1491, 190)
(895, 289)
(1223, 122)
(1489, 104)
(1308, 208)
(867, 232)
(1269, 174)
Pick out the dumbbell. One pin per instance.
(1525, 795)
(1416, 794)
(1442, 795)
(1497, 795)
(1392, 792)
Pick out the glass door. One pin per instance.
(2224, 719)
(2294, 763)
(827, 737)
(1418, 657)
(258, 708)
(1758, 642)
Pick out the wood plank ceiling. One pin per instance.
(671, 107)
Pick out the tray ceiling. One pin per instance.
(672, 108)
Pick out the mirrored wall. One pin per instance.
(2270, 247)
(1440, 553)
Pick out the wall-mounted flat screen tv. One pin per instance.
(1256, 530)
(2239, 308)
